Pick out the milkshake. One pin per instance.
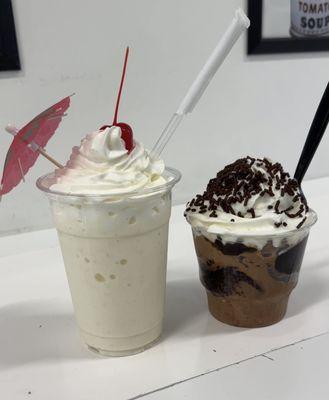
(111, 206)
(250, 229)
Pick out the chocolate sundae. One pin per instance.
(250, 229)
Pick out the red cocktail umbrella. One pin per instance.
(29, 143)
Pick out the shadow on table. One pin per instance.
(187, 312)
(28, 334)
(312, 289)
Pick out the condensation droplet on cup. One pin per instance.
(132, 220)
(99, 277)
(156, 210)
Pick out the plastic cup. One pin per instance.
(248, 279)
(115, 254)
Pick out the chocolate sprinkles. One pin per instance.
(301, 223)
(242, 183)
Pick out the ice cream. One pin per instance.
(250, 229)
(103, 165)
(111, 206)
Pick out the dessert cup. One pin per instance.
(249, 278)
(115, 254)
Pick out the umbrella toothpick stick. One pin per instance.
(34, 146)
(49, 158)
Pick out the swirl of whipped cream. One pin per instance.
(250, 197)
(102, 165)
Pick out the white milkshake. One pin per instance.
(111, 208)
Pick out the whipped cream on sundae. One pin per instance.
(250, 196)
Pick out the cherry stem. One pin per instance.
(115, 119)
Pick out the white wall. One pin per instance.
(259, 106)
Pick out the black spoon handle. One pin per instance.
(314, 136)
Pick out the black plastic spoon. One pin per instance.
(314, 136)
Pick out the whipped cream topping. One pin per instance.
(102, 165)
(250, 197)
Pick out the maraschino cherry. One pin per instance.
(126, 130)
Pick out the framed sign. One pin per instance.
(9, 58)
(287, 26)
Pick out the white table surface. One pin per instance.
(42, 357)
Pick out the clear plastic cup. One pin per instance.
(248, 279)
(115, 254)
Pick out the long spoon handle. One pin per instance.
(314, 136)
